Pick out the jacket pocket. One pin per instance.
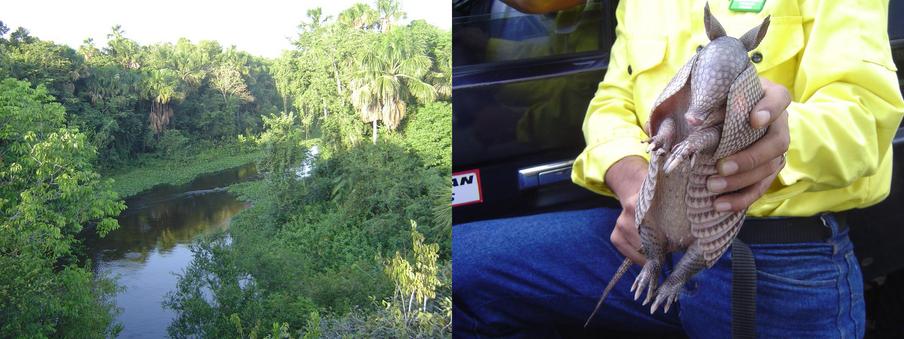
(783, 42)
(645, 54)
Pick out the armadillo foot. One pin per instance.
(658, 142)
(665, 296)
(703, 140)
(679, 154)
(647, 279)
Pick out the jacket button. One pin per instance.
(699, 48)
(629, 70)
(756, 57)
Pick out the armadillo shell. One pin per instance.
(714, 231)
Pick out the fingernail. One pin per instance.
(716, 185)
(728, 167)
(760, 118)
(723, 206)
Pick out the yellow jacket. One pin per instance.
(834, 58)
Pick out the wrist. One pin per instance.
(625, 176)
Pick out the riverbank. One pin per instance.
(152, 171)
(154, 239)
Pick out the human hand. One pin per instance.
(746, 175)
(625, 178)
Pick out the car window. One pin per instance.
(491, 31)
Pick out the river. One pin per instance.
(152, 244)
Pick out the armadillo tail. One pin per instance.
(615, 278)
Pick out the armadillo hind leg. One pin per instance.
(664, 137)
(653, 248)
(703, 140)
(689, 265)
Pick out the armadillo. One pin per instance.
(702, 116)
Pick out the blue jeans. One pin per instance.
(528, 276)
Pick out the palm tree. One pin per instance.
(315, 15)
(189, 63)
(389, 76)
(360, 16)
(390, 12)
(162, 86)
(124, 51)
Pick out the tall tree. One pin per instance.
(122, 50)
(41, 62)
(315, 20)
(389, 76)
(189, 63)
(228, 79)
(88, 50)
(360, 16)
(162, 86)
(390, 12)
(439, 47)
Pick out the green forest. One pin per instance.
(360, 247)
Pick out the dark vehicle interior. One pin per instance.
(521, 86)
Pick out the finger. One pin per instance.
(775, 100)
(744, 198)
(626, 247)
(629, 233)
(626, 226)
(772, 145)
(731, 183)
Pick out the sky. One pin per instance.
(260, 27)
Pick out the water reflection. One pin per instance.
(152, 244)
(161, 225)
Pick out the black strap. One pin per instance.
(784, 230)
(743, 291)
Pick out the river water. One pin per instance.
(152, 244)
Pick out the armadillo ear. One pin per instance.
(752, 38)
(713, 28)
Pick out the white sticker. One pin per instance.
(466, 188)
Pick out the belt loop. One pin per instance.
(827, 221)
(833, 228)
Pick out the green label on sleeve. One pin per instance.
(747, 5)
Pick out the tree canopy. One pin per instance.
(49, 193)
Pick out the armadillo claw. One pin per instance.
(680, 153)
(665, 296)
(672, 162)
(647, 280)
(657, 142)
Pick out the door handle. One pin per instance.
(545, 174)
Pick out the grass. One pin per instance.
(151, 171)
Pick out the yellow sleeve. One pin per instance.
(611, 128)
(847, 105)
